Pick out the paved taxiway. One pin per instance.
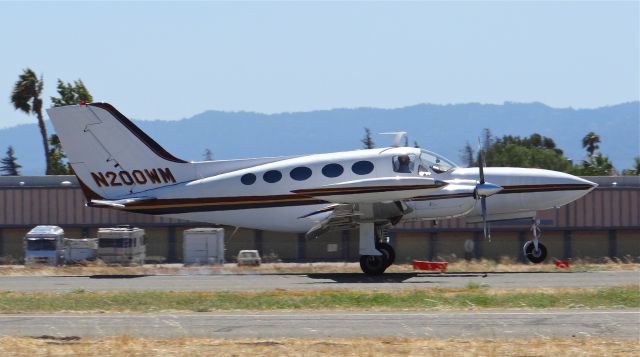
(461, 324)
(390, 281)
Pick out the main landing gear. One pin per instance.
(376, 254)
(535, 251)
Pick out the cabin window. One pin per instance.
(300, 173)
(332, 170)
(272, 176)
(362, 167)
(404, 163)
(248, 179)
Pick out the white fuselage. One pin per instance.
(262, 196)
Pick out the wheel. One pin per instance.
(387, 250)
(534, 256)
(373, 264)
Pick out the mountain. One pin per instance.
(441, 128)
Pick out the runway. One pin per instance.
(459, 324)
(245, 282)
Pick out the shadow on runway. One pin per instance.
(363, 278)
(387, 277)
(114, 276)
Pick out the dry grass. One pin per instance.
(314, 300)
(504, 265)
(385, 346)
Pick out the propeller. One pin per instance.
(484, 190)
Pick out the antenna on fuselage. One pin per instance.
(397, 138)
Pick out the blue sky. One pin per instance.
(166, 60)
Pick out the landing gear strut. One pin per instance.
(376, 254)
(535, 251)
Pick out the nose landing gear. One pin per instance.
(535, 251)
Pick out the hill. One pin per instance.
(441, 128)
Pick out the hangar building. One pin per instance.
(603, 224)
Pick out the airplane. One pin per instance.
(120, 167)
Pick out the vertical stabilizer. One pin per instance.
(110, 155)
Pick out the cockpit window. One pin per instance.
(404, 163)
(435, 162)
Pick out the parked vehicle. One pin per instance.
(249, 257)
(121, 245)
(80, 249)
(44, 245)
(203, 246)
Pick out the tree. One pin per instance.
(416, 145)
(9, 163)
(26, 97)
(597, 165)
(468, 156)
(590, 142)
(208, 155)
(635, 170)
(71, 94)
(535, 151)
(368, 141)
(57, 158)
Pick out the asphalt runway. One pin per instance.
(245, 282)
(460, 324)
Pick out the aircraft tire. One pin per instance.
(373, 264)
(535, 257)
(389, 253)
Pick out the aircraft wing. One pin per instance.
(338, 216)
(332, 217)
(383, 189)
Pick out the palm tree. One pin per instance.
(590, 142)
(26, 97)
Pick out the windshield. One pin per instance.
(435, 162)
(115, 242)
(41, 244)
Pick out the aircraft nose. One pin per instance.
(588, 185)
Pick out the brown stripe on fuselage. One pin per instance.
(357, 190)
(544, 188)
(185, 205)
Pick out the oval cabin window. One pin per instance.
(248, 179)
(300, 173)
(332, 170)
(272, 176)
(362, 167)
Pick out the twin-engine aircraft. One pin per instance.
(120, 167)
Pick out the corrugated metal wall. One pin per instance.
(604, 223)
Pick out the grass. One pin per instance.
(386, 346)
(504, 265)
(474, 297)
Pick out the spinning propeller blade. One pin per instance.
(484, 190)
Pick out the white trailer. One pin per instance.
(121, 245)
(44, 245)
(80, 249)
(203, 246)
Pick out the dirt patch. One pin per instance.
(392, 346)
(101, 270)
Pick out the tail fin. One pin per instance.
(110, 155)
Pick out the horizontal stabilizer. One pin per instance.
(122, 203)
